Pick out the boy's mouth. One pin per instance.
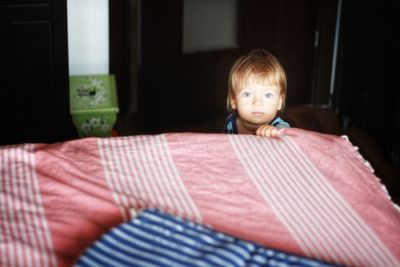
(257, 113)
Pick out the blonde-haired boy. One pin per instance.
(257, 92)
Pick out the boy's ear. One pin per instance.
(280, 104)
(233, 102)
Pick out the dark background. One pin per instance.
(162, 89)
(176, 90)
(368, 87)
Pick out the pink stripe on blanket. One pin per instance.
(226, 197)
(76, 199)
(141, 173)
(347, 190)
(280, 186)
(22, 231)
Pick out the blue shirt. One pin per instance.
(231, 126)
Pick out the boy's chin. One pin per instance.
(256, 124)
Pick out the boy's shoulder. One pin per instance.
(230, 124)
(279, 123)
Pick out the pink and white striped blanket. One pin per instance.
(305, 193)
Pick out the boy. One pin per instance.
(257, 91)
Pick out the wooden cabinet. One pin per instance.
(34, 103)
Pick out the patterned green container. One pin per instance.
(93, 104)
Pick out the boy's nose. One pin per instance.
(257, 100)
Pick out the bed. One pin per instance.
(305, 193)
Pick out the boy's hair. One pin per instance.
(260, 64)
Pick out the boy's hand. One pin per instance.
(267, 130)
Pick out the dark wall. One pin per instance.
(368, 84)
(176, 88)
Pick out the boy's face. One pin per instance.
(257, 102)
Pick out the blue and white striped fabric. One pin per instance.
(154, 238)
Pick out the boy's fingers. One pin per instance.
(273, 132)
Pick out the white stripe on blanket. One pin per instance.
(22, 211)
(307, 204)
(141, 173)
(361, 240)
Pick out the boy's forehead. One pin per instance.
(267, 80)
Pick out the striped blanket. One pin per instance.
(305, 193)
(154, 238)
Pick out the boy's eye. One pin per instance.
(246, 94)
(269, 95)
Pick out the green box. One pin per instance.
(93, 104)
